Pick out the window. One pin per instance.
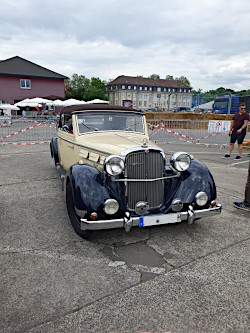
(134, 87)
(158, 89)
(123, 94)
(140, 88)
(158, 95)
(134, 95)
(145, 95)
(169, 89)
(150, 88)
(25, 84)
(123, 87)
(145, 88)
(129, 95)
(129, 87)
(140, 103)
(115, 121)
(140, 96)
(145, 103)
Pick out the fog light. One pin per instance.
(93, 216)
(201, 198)
(111, 206)
(213, 203)
(177, 205)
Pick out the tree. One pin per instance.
(76, 86)
(184, 80)
(82, 88)
(169, 77)
(95, 88)
(154, 76)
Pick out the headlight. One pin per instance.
(114, 165)
(111, 206)
(201, 198)
(180, 161)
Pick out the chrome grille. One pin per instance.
(144, 165)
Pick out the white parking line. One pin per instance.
(242, 162)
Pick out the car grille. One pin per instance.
(144, 165)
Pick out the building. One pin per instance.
(149, 94)
(20, 79)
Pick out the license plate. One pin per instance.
(146, 221)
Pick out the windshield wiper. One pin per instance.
(90, 128)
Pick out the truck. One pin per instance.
(229, 104)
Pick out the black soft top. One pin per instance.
(95, 107)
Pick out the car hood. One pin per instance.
(113, 143)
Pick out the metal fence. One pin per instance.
(40, 129)
(200, 132)
(17, 129)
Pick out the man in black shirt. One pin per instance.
(238, 130)
(245, 205)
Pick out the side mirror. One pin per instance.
(65, 128)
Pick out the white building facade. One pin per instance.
(149, 94)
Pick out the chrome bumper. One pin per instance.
(128, 222)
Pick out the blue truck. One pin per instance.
(229, 104)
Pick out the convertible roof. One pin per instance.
(95, 107)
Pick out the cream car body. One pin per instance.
(115, 177)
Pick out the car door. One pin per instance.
(66, 142)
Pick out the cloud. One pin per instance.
(206, 42)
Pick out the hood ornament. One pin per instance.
(144, 143)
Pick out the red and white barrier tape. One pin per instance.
(20, 131)
(194, 141)
(23, 143)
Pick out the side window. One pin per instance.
(66, 120)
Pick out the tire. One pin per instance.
(53, 150)
(74, 218)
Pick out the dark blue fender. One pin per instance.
(54, 149)
(196, 179)
(89, 188)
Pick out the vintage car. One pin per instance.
(115, 177)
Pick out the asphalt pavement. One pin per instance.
(176, 278)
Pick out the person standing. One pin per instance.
(245, 205)
(24, 114)
(238, 130)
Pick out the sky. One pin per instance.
(206, 41)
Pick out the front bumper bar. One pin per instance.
(128, 222)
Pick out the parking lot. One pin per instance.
(176, 278)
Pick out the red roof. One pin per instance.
(142, 81)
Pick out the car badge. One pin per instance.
(144, 142)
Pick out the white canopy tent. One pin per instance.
(72, 101)
(7, 108)
(97, 101)
(33, 102)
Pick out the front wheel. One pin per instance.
(74, 218)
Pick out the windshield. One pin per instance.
(109, 121)
(220, 104)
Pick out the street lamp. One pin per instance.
(229, 103)
(169, 100)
